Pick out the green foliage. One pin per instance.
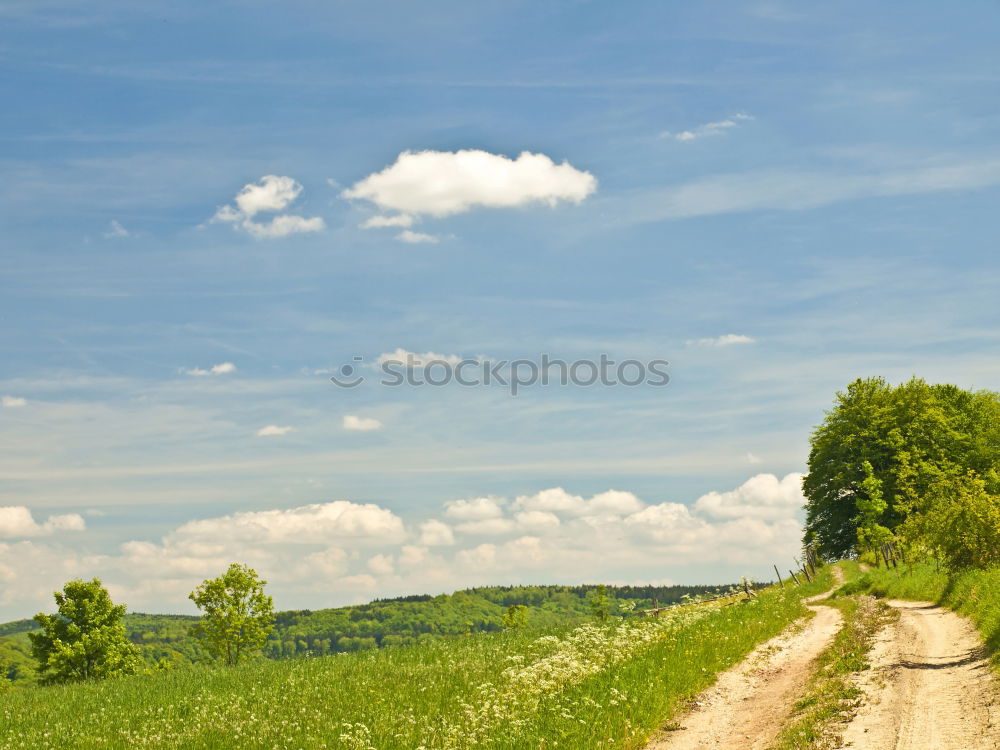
(238, 614)
(581, 685)
(516, 616)
(959, 522)
(85, 639)
(600, 603)
(913, 436)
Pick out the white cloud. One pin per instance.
(728, 339)
(223, 368)
(441, 183)
(281, 226)
(381, 565)
(16, 521)
(434, 533)
(476, 509)
(487, 527)
(415, 238)
(309, 524)
(380, 221)
(708, 129)
(337, 551)
(361, 424)
(115, 230)
(12, 402)
(274, 430)
(557, 500)
(270, 194)
(763, 496)
(413, 359)
(753, 458)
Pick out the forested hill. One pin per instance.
(165, 639)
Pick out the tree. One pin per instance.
(515, 617)
(960, 522)
(913, 436)
(85, 639)
(600, 604)
(238, 615)
(871, 507)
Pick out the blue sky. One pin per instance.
(818, 185)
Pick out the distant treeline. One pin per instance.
(166, 640)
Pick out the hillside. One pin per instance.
(165, 639)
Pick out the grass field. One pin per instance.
(593, 686)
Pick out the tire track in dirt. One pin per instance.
(750, 701)
(930, 686)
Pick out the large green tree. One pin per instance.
(238, 614)
(914, 436)
(85, 639)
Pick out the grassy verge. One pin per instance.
(974, 593)
(831, 696)
(595, 686)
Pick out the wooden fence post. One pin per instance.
(779, 576)
(795, 577)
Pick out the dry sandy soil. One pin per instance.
(930, 686)
(750, 701)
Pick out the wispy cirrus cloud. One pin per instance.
(728, 339)
(223, 368)
(273, 430)
(785, 190)
(13, 402)
(708, 129)
(360, 424)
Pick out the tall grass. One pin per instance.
(974, 593)
(594, 686)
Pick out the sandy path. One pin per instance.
(930, 688)
(749, 703)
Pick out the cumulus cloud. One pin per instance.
(12, 402)
(16, 521)
(708, 129)
(413, 359)
(416, 238)
(763, 496)
(558, 500)
(270, 194)
(434, 533)
(475, 509)
(441, 183)
(728, 339)
(274, 430)
(339, 551)
(340, 520)
(223, 368)
(361, 424)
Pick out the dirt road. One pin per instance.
(930, 686)
(750, 701)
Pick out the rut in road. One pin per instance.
(749, 703)
(930, 686)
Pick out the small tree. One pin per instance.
(238, 614)
(85, 639)
(515, 617)
(871, 506)
(600, 604)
